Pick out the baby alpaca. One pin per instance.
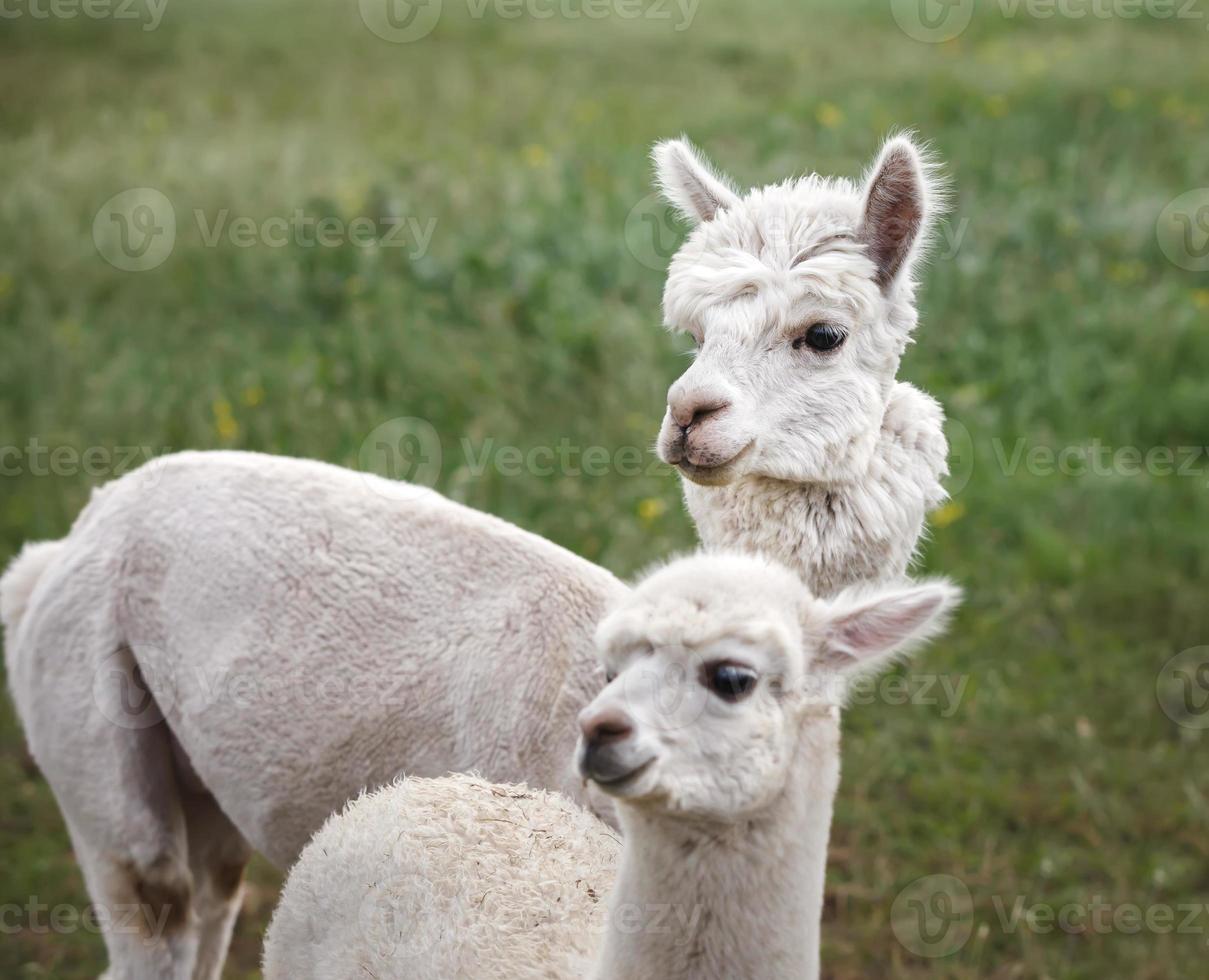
(445, 878)
(791, 433)
(718, 738)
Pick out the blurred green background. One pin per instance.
(1052, 318)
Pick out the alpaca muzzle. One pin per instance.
(706, 451)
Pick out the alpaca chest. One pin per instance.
(833, 537)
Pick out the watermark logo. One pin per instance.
(407, 452)
(936, 21)
(933, 916)
(404, 21)
(945, 692)
(1183, 231)
(653, 232)
(304, 230)
(668, 689)
(396, 903)
(123, 696)
(932, 21)
(400, 21)
(1182, 688)
(961, 456)
(665, 690)
(135, 230)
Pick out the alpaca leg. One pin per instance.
(144, 910)
(218, 855)
(99, 740)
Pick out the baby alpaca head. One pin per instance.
(717, 664)
(800, 299)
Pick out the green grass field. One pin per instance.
(1052, 319)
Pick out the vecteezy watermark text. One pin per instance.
(653, 233)
(934, 916)
(38, 459)
(40, 919)
(136, 230)
(310, 231)
(148, 12)
(1093, 459)
(936, 21)
(1097, 459)
(403, 21)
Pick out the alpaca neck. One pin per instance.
(712, 901)
(831, 534)
(857, 522)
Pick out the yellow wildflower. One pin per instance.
(1123, 98)
(535, 155)
(996, 106)
(650, 509)
(1172, 107)
(829, 115)
(950, 513)
(1126, 272)
(224, 422)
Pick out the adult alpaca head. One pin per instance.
(800, 297)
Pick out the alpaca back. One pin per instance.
(307, 631)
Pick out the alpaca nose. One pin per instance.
(605, 727)
(694, 409)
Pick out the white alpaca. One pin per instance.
(790, 430)
(718, 737)
(305, 632)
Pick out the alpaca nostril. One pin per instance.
(688, 414)
(701, 414)
(607, 728)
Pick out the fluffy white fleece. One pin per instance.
(433, 879)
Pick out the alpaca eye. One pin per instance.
(820, 337)
(731, 682)
(610, 676)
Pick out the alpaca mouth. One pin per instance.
(616, 784)
(713, 474)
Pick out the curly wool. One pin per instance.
(840, 534)
(448, 878)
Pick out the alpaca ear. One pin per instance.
(689, 183)
(863, 630)
(899, 196)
